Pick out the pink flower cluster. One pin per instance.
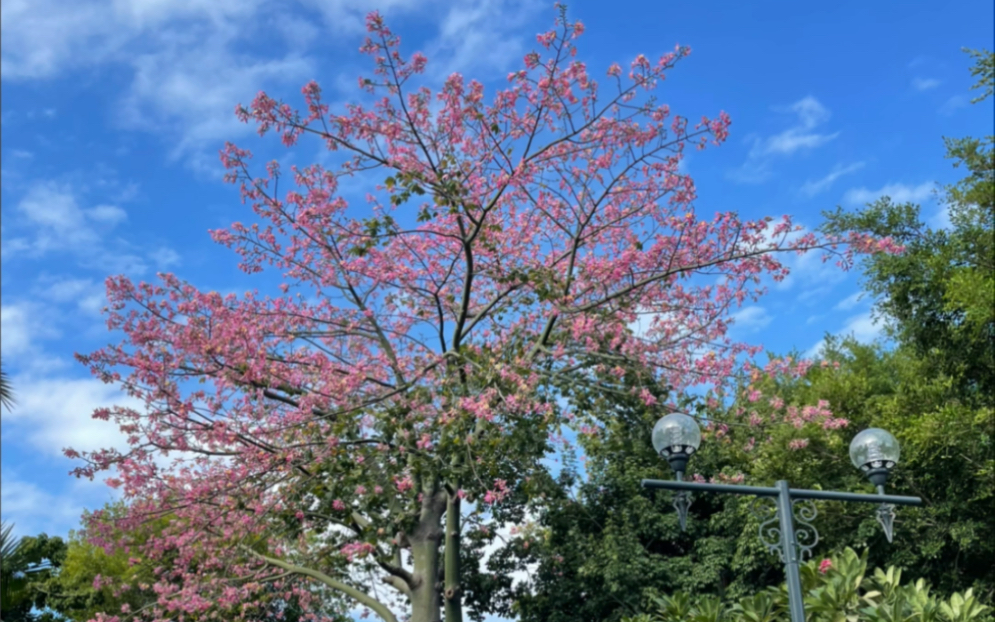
(499, 492)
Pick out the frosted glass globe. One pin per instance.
(676, 433)
(874, 448)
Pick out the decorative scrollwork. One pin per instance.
(765, 509)
(886, 517)
(806, 534)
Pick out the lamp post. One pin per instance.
(676, 437)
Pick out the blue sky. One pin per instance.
(114, 111)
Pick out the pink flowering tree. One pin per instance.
(505, 249)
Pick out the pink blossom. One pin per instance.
(825, 565)
(648, 398)
(414, 319)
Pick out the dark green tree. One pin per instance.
(69, 593)
(26, 563)
(599, 551)
(602, 543)
(939, 296)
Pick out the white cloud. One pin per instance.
(812, 188)
(176, 49)
(35, 510)
(88, 295)
(863, 328)
(924, 84)
(953, 104)
(799, 137)
(23, 325)
(751, 319)
(808, 269)
(43, 38)
(59, 220)
(109, 214)
(850, 301)
(899, 193)
(55, 413)
(810, 114)
(479, 34)
(941, 219)
(55, 222)
(176, 92)
(165, 257)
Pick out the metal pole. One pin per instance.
(789, 547)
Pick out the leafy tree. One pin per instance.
(599, 552)
(338, 439)
(947, 459)
(838, 588)
(91, 580)
(940, 293)
(597, 555)
(25, 563)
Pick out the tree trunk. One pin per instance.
(453, 594)
(426, 595)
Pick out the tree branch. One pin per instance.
(360, 596)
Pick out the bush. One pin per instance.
(836, 590)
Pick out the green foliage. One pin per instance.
(984, 69)
(26, 563)
(71, 592)
(601, 544)
(940, 293)
(947, 459)
(607, 546)
(843, 592)
(127, 579)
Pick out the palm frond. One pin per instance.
(11, 563)
(6, 394)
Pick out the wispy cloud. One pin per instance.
(88, 295)
(809, 115)
(899, 193)
(953, 104)
(812, 188)
(23, 325)
(52, 219)
(850, 301)
(57, 413)
(751, 319)
(941, 219)
(175, 51)
(864, 328)
(33, 509)
(807, 270)
(164, 257)
(924, 84)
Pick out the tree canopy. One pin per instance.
(505, 255)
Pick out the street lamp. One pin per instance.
(676, 437)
